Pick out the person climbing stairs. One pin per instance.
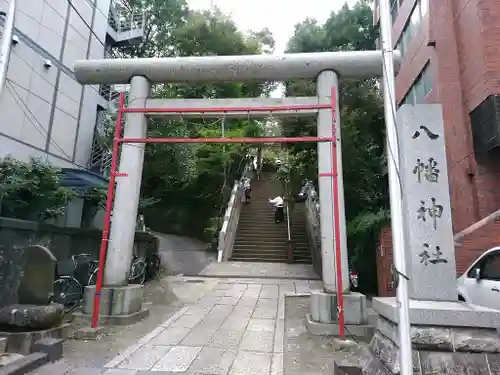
(259, 238)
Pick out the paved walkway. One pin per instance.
(260, 269)
(235, 328)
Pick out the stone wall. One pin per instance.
(63, 242)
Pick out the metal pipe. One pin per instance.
(476, 226)
(336, 216)
(6, 46)
(107, 215)
(395, 193)
(226, 140)
(264, 108)
(231, 68)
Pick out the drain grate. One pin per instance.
(195, 281)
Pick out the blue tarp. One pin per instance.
(80, 178)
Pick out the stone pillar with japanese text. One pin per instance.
(448, 336)
(426, 204)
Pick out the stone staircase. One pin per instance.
(259, 238)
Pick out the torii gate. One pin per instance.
(325, 67)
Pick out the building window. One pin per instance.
(421, 87)
(395, 6)
(412, 26)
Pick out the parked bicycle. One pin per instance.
(137, 275)
(71, 276)
(81, 270)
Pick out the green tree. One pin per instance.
(32, 190)
(191, 183)
(362, 127)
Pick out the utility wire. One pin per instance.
(106, 48)
(29, 115)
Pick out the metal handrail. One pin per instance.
(289, 241)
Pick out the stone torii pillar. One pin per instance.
(326, 81)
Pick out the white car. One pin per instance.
(480, 284)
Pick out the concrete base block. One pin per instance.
(115, 320)
(115, 301)
(355, 308)
(440, 313)
(332, 329)
(88, 333)
(22, 342)
(323, 307)
(25, 364)
(50, 346)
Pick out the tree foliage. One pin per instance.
(34, 191)
(191, 183)
(362, 130)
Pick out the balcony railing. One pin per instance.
(100, 156)
(125, 26)
(109, 93)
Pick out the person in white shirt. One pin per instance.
(279, 213)
(247, 187)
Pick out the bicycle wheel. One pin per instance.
(153, 267)
(68, 292)
(138, 272)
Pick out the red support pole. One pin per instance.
(107, 216)
(336, 218)
(264, 108)
(226, 140)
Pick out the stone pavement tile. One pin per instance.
(269, 291)
(315, 284)
(144, 358)
(223, 286)
(187, 321)
(239, 286)
(302, 286)
(120, 371)
(213, 361)
(267, 302)
(247, 300)
(208, 300)
(257, 341)
(212, 322)
(286, 287)
(170, 336)
(178, 359)
(221, 310)
(229, 301)
(265, 312)
(236, 322)
(227, 338)
(199, 336)
(279, 336)
(250, 363)
(254, 288)
(261, 325)
(243, 310)
(281, 308)
(277, 364)
(198, 310)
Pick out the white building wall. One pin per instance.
(60, 127)
(64, 112)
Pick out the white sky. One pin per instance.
(280, 16)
